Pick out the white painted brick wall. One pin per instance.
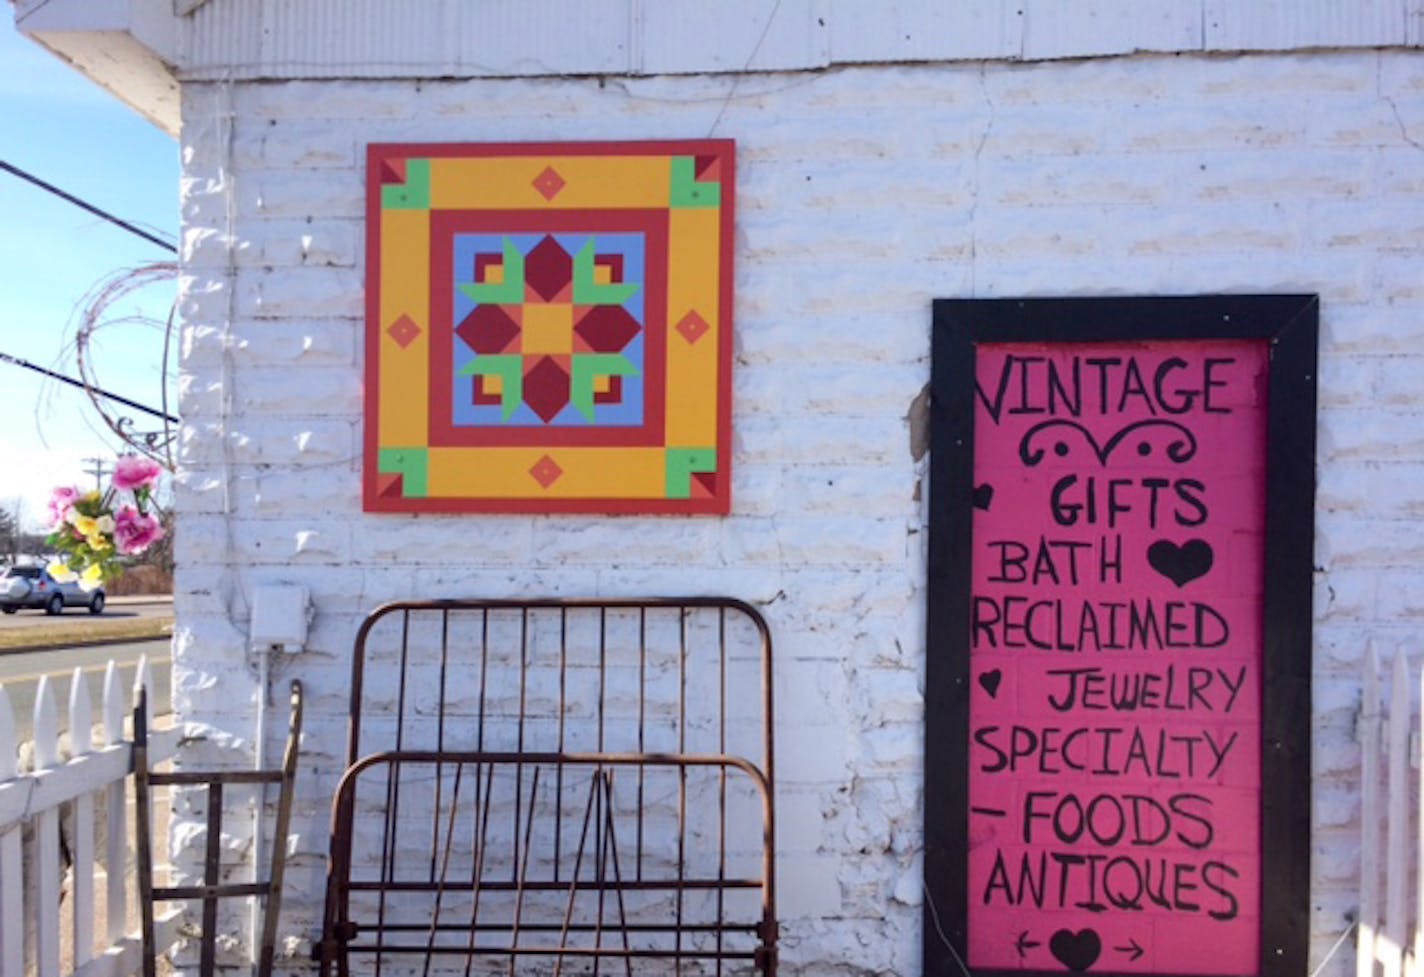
(863, 193)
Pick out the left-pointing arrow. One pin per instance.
(1023, 944)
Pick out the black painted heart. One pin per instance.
(1076, 951)
(1180, 564)
(983, 496)
(989, 682)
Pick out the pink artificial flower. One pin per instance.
(61, 505)
(132, 472)
(135, 532)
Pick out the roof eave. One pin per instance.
(129, 47)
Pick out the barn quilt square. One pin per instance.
(549, 327)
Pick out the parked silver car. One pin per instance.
(34, 587)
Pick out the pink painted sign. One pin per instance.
(1114, 781)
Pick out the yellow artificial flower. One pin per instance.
(90, 496)
(97, 542)
(92, 577)
(86, 525)
(60, 571)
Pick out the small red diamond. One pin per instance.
(404, 331)
(692, 327)
(549, 183)
(546, 471)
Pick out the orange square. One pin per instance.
(548, 328)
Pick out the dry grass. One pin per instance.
(85, 631)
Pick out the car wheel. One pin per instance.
(9, 610)
(55, 605)
(96, 604)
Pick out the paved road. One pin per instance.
(75, 615)
(20, 674)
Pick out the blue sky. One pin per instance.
(68, 131)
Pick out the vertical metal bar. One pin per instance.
(479, 825)
(519, 738)
(573, 880)
(600, 843)
(602, 674)
(444, 869)
(681, 780)
(1417, 954)
(522, 874)
(618, 879)
(559, 770)
(276, 873)
(768, 931)
(642, 728)
(482, 819)
(388, 840)
(1396, 930)
(599, 856)
(440, 739)
(212, 870)
(722, 776)
(143, 831)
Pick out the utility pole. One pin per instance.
(98, 467)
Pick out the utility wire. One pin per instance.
(85, 205)
(16, 361)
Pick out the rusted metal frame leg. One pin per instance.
(212, 869)
(722, 781)
(143, 829)
(276, 873)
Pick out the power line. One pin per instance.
(16, 361)
(85, 205)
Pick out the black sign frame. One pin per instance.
(1290, 324)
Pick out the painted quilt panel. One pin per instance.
(549, 327)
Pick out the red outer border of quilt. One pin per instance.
(721, 503)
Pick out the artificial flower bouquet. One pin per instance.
(92, 530)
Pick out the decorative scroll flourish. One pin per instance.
(1179, 449)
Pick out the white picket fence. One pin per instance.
(1390, 940)
(48, 903)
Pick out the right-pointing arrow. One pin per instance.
(1132, 949)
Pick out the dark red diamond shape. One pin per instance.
(546, 388)
(607, 328)
(404, 331)
(549, 183)
(488, 329)
(547, 269)
(546, 471)
(692, 327)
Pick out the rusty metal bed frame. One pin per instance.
(556, 786)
